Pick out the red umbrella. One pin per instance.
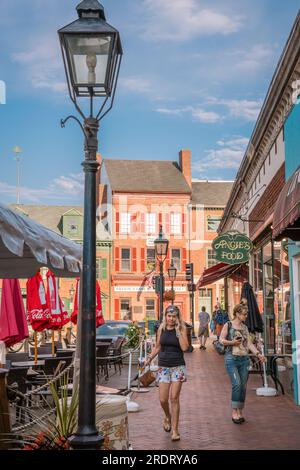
(99, 314)
(13, 325)
(37, 307)
(59, 317)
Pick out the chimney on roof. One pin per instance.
(185, 165)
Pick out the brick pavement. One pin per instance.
(205, 423)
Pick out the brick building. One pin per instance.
(136, 197)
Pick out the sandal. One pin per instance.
(167, 425)
(175, 436)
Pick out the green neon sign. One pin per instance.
(232, 248)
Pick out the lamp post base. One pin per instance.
(86, 441)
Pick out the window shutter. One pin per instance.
(143, 260)
(134, 266)
(117, 223)
(160, 219)
(184, 259)
(104, 268)
(117, 258)
(117, 309)
(142, 227)
(168, 227)
(133, 223)
(183, 224)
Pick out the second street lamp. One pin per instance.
(92, 54)
(161, 250)
(172, 272)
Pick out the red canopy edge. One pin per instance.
(221, 270)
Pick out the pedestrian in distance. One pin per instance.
(221, 319)
(203, 332)
(236, 338)
(171, 343)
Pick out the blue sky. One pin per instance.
(194, 75)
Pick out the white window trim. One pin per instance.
(151, 223)
(176, 223)
(125, 223)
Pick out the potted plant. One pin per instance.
(132, 340)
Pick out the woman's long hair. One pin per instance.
(173, 309)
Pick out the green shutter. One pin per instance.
(104, 268)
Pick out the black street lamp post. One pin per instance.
(92, 53)
(172, 272)
(161, 249)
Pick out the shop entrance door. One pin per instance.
(296, 352)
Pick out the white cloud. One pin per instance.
(245, 109)
(198, 113)
(60, 189)
(229, 156)
(181, 20)
(255, 58)
(43, 65)
(137, 85)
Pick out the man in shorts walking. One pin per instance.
(203, 333)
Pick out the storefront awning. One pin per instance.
(286, 219)
(237, 272)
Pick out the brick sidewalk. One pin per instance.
(205, 421)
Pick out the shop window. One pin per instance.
(213, 223)
(176, 256)
(150, 309)
(125, 259)
(126, 309)
(268, 277)
(282, 306)
(150, 259)
(205, 300)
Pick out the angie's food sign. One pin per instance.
(232, 248)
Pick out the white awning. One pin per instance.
(26, 246)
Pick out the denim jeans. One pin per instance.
(237, 369)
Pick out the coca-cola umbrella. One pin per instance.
(38, 313)
(99, 313)
(254, 320)
(13, 324)
(59, 316)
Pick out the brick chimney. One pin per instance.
(185, 165)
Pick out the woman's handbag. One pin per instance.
(219, 347)
(146, 376)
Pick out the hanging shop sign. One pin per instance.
(232, 248)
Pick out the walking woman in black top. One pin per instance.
(171, 343)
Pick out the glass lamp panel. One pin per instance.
(161, 249)
(172, 273)
(89, 59)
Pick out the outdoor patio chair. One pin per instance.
(46, 349)
(16, 381)
(102, 361)
(115, 351)
(64, 353)
(17, 357)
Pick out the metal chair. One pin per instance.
(102, 361)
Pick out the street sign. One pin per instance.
(232, 248)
